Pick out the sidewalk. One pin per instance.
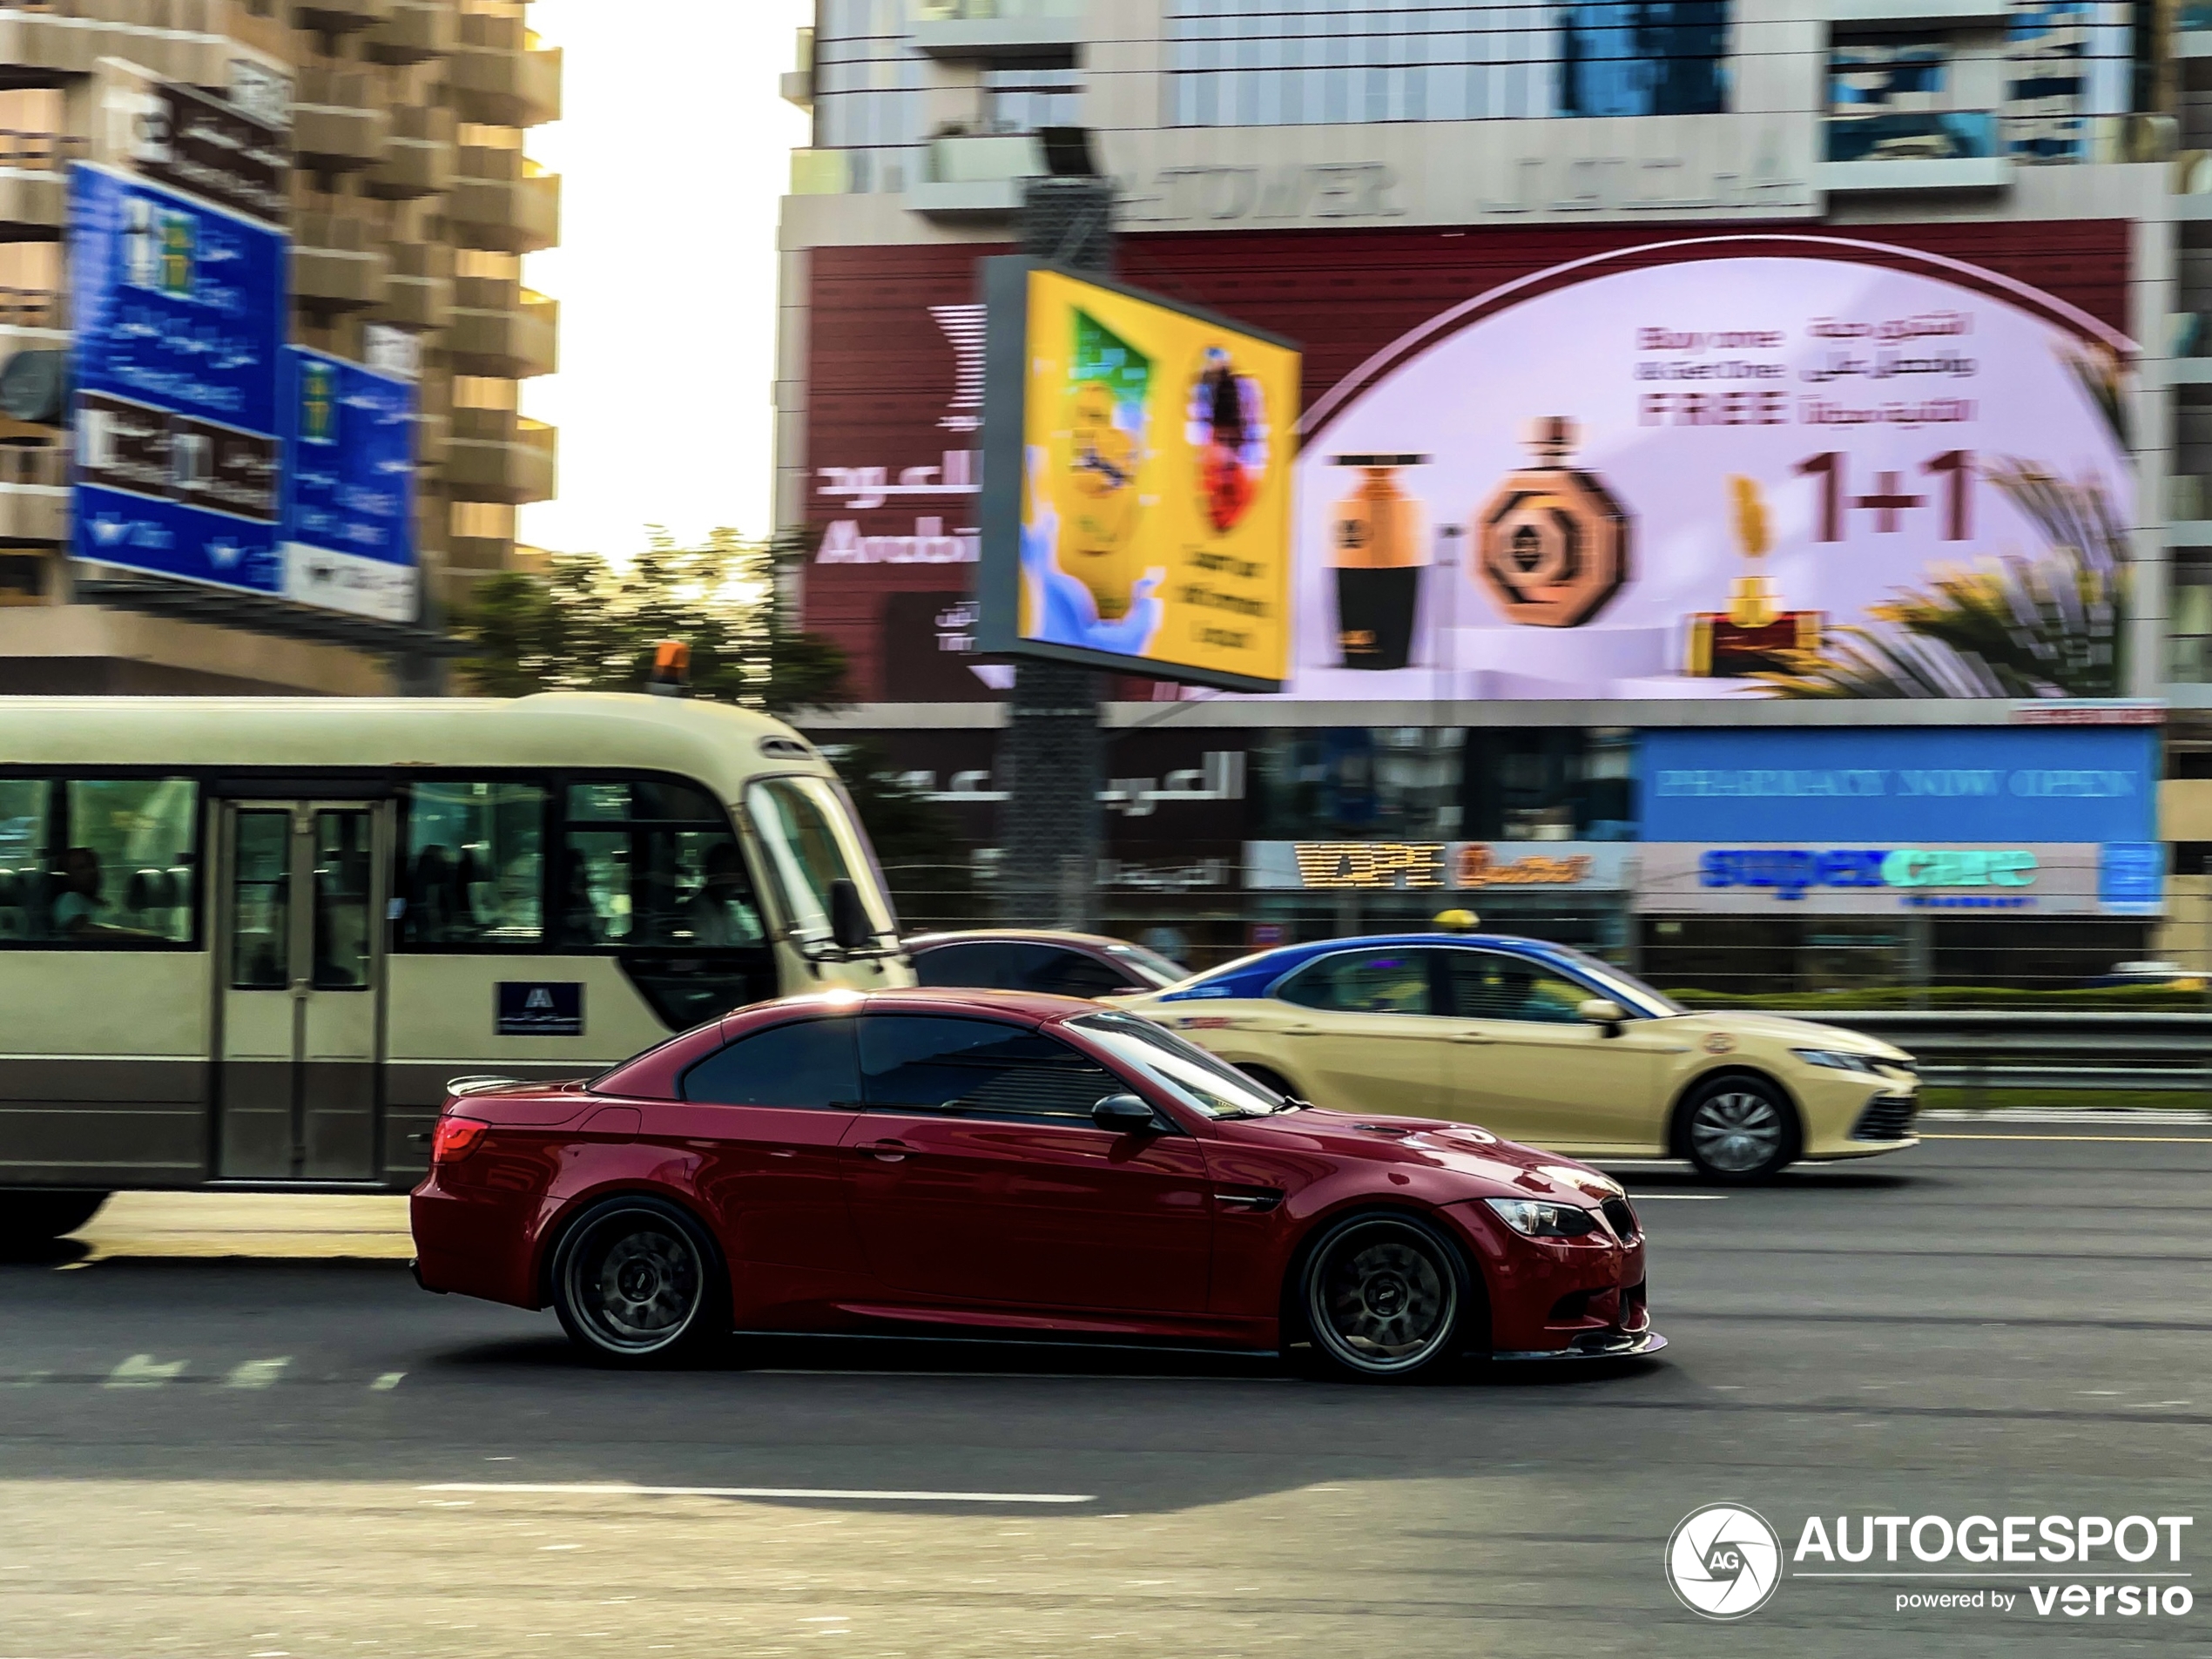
(306, 1225)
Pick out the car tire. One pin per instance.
(31, 1216)
(637, 1282)
(1737, 1128)
(1384, 1295)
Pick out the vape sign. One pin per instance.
(1708, 476)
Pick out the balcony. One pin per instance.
(1913, 150)
(975, 175)
(34, 183)
(418, 292)
(336, 125)
(34, 494)
(500, 77)
(798, 84)
(1904, 14)
(502, 330)
(335, 266)
(419, 156)
(502, 201)
(498, 455)
(416, 31)
(1045, 32)
(339, 16)
(433, 438)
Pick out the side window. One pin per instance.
(1070, 972)
(648, 863)
(809, 1063)
(1363, 981)
(923, 1063)
(98, 863)
(1489, 984)
(473, 865)
(989, 967)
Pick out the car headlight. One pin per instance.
(1837, 1060)
(1540, 1220)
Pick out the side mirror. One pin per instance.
(850, 929)
(1604, 1011)
(1124, 1115)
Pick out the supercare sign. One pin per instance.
(2054, 821)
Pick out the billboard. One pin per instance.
(1726, 467)
(1462, 867)
(348, 486)
(179, 310)
(2087, 784)
(1833, 877)
(1136, 484)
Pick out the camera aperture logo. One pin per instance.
(1723, 1561)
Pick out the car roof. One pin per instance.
(1251, 975)
(1012, 936)
(1041, 1007)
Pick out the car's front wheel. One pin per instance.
(1739, 1129)
(637, 1282)
(1385, 1297)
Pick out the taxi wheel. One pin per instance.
(1383, 1297)
(1274, 1080)
(637, 1282)
(1738, 1128)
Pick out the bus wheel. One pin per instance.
(37, 1215)
(637, 1282)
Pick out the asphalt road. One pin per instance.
(284, 1455)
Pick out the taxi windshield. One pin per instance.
(1195, 1077)
(1148, 964)
(810, 844)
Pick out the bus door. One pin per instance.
(301, 899)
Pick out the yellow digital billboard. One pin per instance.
(1136, 490)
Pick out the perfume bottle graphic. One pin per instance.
(1108, 381)
(1376, 545)
(1551, 544)
(1755, 634)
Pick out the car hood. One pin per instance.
(1798, 1033)
(1508, 1167)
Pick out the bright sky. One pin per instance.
(672, 154)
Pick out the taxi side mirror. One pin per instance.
(1605, 1011)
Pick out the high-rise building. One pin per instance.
(411, 204)
(1867, 328)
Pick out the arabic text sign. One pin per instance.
(180, 310)
(1137, 482)
(2051, 878)
(1665, 481)
(1464, 867)
(349, 486)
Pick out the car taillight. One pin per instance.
(456, 1138)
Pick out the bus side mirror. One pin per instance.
(850, 929)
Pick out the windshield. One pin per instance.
(1195, 1077)
(811, 842)
(1623, 988)
(1148, 964)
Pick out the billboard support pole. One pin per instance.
(1051, 831)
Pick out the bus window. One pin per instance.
(474, 866)
(811, 843)
(651, 863)
(104, 862)
(24, 805)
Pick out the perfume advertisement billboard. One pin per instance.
(1754, 466)
(1137, 481)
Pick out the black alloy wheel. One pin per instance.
(1385, 1297)
(32, 1216)
(637, 1282)
(1739, 1129)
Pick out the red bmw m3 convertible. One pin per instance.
(940, 1161)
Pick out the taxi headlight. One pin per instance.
(1537, 1219)
(1837, 1060)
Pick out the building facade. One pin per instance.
(1454, 208)
(411, 203)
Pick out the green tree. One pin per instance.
(588, 624)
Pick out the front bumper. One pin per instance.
(1597, 1345)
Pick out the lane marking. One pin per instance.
(2137, 1140)
(256, 1374)
(2066, 1115)
(1680, 1197)
(389, 1381)
(139, 1371)
(622, 1490)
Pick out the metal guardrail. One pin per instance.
(2088, 1050)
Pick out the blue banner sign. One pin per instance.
(1992, 785)
(180, 309)
(349, 486)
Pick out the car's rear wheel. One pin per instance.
(637, 1282)
(1739, 1129)
(1385, 1297)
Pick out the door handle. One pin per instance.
(887, 1151)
